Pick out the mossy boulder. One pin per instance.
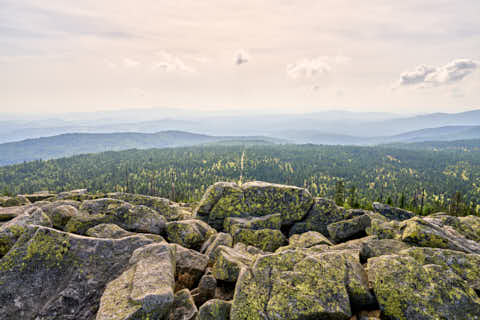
(392, 213)
(384, 229)
(323, 213)
(61, 215)
(345, 230)
(169, 209)
(38, 196)
(253, 199)
(215, 309)
(466, 266)
(189, 233)
(184, 307)
(381, 247)
(108, 230)
(206, 289)
(297, 284)
(49, 274)
(129, 217)
(229, 262)
(216, 240)
(271, 221)
(305, 240)
(406, 289)
(190, 266)
(433, 233)
(13, 201)
(264, 239)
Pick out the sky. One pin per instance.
(276, 55)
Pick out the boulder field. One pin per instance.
(244, 252)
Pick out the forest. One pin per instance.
(423, 181)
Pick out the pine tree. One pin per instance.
(339, 193)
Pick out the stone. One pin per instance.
(323, 213)
(145, 289)
(253, 199)
(305, 240)
(215, 309)
(406, 289)
(210, 246)
(206, 290)
(264, 239)
(108, 230)
(345, 230)
(168, 209)
(392, 213)
(229, 263)
(190, 266)
(13, 201)
(61, 215)
(129, 217)
(189, 233)
(183, 306)
(49, 274)
(39, 196)
(272, 221)
(297, 284)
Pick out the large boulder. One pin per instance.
(170, 210)
(129, 217)
(189, 233)
(406, 289)
(229, 262)
(323, 213)
(305, 240)
(349, 229)
(145, 290)
(271, 221)
(264, 239)
(215, 309)
(108, 230)
(297, 284)
(49, 274)
(253, 199)
(13, 201)
(392, 213)
(216, 240)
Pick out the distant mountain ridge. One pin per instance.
(79, 143)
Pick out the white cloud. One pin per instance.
(241, 57)
(308, 69)
(431, 76)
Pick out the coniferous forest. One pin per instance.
(423, 181)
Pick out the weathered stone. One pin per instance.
(272, 221)
(391, 212)
(108, 230)
(50, 274)
(381, 247)
(183, 306)
(123, 214)
(145, 289)
(305, 240)
(39, 196)
(190, 266)
(467, 266)
(264, 239)
(61, 215)
(406, 289)
(210, 246)
(253, 199)
(431, 232)
(189, 233)
(215, 310)
(13, 201)
(297, 284)
(229, 262)
(323, 213)
(349, 229)
(170, 210)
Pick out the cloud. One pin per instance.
(431, 76)
(170, 63)
(308, 69)
(241, 57)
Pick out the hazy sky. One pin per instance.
(304, 55)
